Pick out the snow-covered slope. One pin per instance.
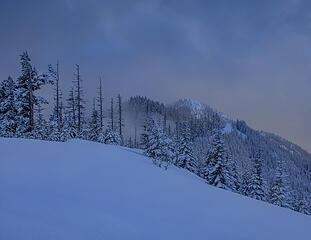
(84, 190)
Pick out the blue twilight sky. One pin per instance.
(250, 59)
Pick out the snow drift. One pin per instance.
(84, 190)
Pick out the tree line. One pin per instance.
(21, 108)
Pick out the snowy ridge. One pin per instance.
(197, 108)
(85, 190)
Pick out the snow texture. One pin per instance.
(227, 129)
(85, 190)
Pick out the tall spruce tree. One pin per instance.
(185, 158)
(158, 146)
(218, 173)
(234, 182)
(245, 179)
(27, 84)
(8, 108)
(94, 125)
(278, 190)
(147, 128)
(256, 186)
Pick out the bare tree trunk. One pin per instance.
(57, 95)
(111, 115)
(78, 98)
(61, 114)
(135, 137)
(164, 122)
(31, 112)
(73, 107)
(120, 117)
(100, 103)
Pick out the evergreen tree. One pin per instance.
(277, 191)
(147, 129)
(94, 125)
(256, 187)
(185, 158)
(112, 137)
(245, 181)
(218, 174)
(71, 113)
(234, 182)
(299, 202)
(147, 132)
(120, 120)
(58, 134)
(27, 84)
(159, 146)
(8, 108)
(111, 115)
(40, 130)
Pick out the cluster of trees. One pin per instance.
(252, 163)
(218, 168)
(243, 161)
(21, 109)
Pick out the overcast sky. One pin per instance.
(248, 59)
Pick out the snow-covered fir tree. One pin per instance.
(158, 146)
(278, 190)
(27, 84)
(245, 181)
(300, 203)
(8, 108)
(185, 158)
(234, 182)
(112, 137)
(147, 130)
(218, 173)
(94, 125)
(256, 184)
(41, 130)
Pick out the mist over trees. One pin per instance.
(189, 135)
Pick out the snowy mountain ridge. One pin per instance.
(197, 108)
